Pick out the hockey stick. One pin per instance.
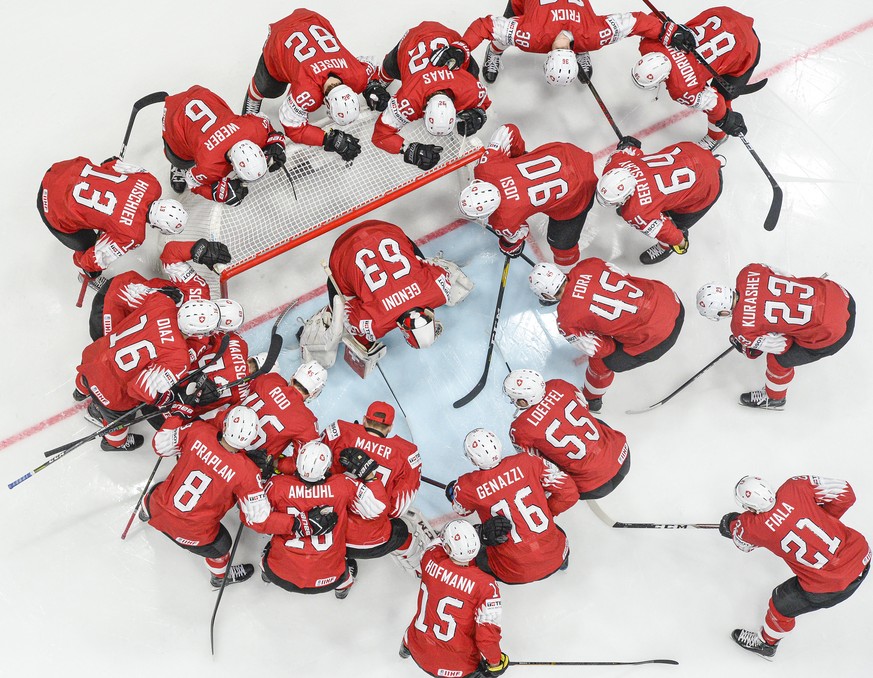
(290, 180)
(683, 386)
(147, 100)
(82, 290)
(223, 584)
(609, 522)
(435, 483)
(776, 202)
(396, 400)
(477, 389)
(521, 256)
(141, 497)
(605, 110)
(672, 662)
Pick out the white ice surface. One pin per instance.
(76, 599)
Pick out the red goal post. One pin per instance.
(320, 192)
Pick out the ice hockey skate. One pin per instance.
(234, 575)
(761, 400)
(752, 641)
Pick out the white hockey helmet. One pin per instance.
(545, 281)
(168, 216)
(231, 314)
(313, 461)
(198, 317)
(342, 105)
(419, 327)
(715, 301)
(561, 67)
(439, 115)
(483, 448)
(312, 377)
(240, 427)
(754, 494)
(479, 199)
(651, 70)
(615, 187)
(248, 160)
(524, 385)
(460, 541)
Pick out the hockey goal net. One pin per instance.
(320, 192)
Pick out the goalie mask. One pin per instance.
(754, 494)
(419, 327)
(715, 301)
(342, 105)
(240, 427)
(248, 160)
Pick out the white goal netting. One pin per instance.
(319, 192)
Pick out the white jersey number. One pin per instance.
(389, 252)
(191, 490)
(93, 200)
(574, 442)
(819, 558)
(681, 178)
(446, 631)
(610, 307)
(533, 515)
(196, 110)
(419, 57)
(128, 358)
(303, 50)
(254, 401)
(718, 44)
(321, 543)
(774, 311)
(553, 189)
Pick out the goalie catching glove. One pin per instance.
(210, 253)
(346, 145)
(460, 283)
(321, 334)
(315, 522)
(358, 463)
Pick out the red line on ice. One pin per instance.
(269, 315)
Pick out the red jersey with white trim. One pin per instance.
(726, 40)
(80, 195)
(804, 529)
(143, 357)
(203, 486)
(309, 562)
(198, 125)
(529, 491)
(561, 429)
(417, 44)
(410, 101)
(682, 178)
(556, 179)
(399, 472)
(230, 367)
(302, 49)
(174, 260)
(602, 299)
(536, 24)
(285, 419)
(810, 311)
(457, 621)
(377, 270)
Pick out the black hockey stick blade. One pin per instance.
(221, 590)
(671, 662)
(754, 87)
(147, 100)
(775, 208)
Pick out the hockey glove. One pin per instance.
(677, 36)
(732, 124)
(229, 191)
(682, 247)
(376, 96)
(181, 410)
(423, 156)
(210, 253)
(317, 521)
(495, 530)
(346, 145)
(627, 142)
(203, 392)
(511, 249)
(494, 670)
(173, 292)
(451, 56)
(91, 275)
(745, 350)
(275, 150)
(470, 121)
(724, 527)
(263, 461)
(164, 400)
(358, 463)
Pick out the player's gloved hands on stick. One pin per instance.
(205, 392)
(317, 521)
(470, 121)
(724, 527)
(263, 461)
(509, 248)
(376, 96)
(450, 490)
(495, 530)
(346, 145)
(173, 293)
(677, 36)
(732, 124)
(628, 142)
(358, 463)
(275, 150)
(495, 669)
(229, 191)
(745, 350)
(210, 253)
(682, 247)
(423, 156)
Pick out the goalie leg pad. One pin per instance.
(360, 359)
(422, 534)
(461, 285)
(321, 334)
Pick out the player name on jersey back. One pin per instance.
(508, 477)
(213, 460)
(448, 577)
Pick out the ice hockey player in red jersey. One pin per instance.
(618, 320)
(456, 627)
(516, 499)
(554, 422)
(302, 49)
(793, 320)
(100, 211)
(210, 475)
(380, 280)
(205, 141)
(662, 194)
(448, 100)
(141, 361)
(566, 30)
(801, 524)
(316, 564)
(369, 453)
(726, 39)
(416, 51)
(512, 184)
